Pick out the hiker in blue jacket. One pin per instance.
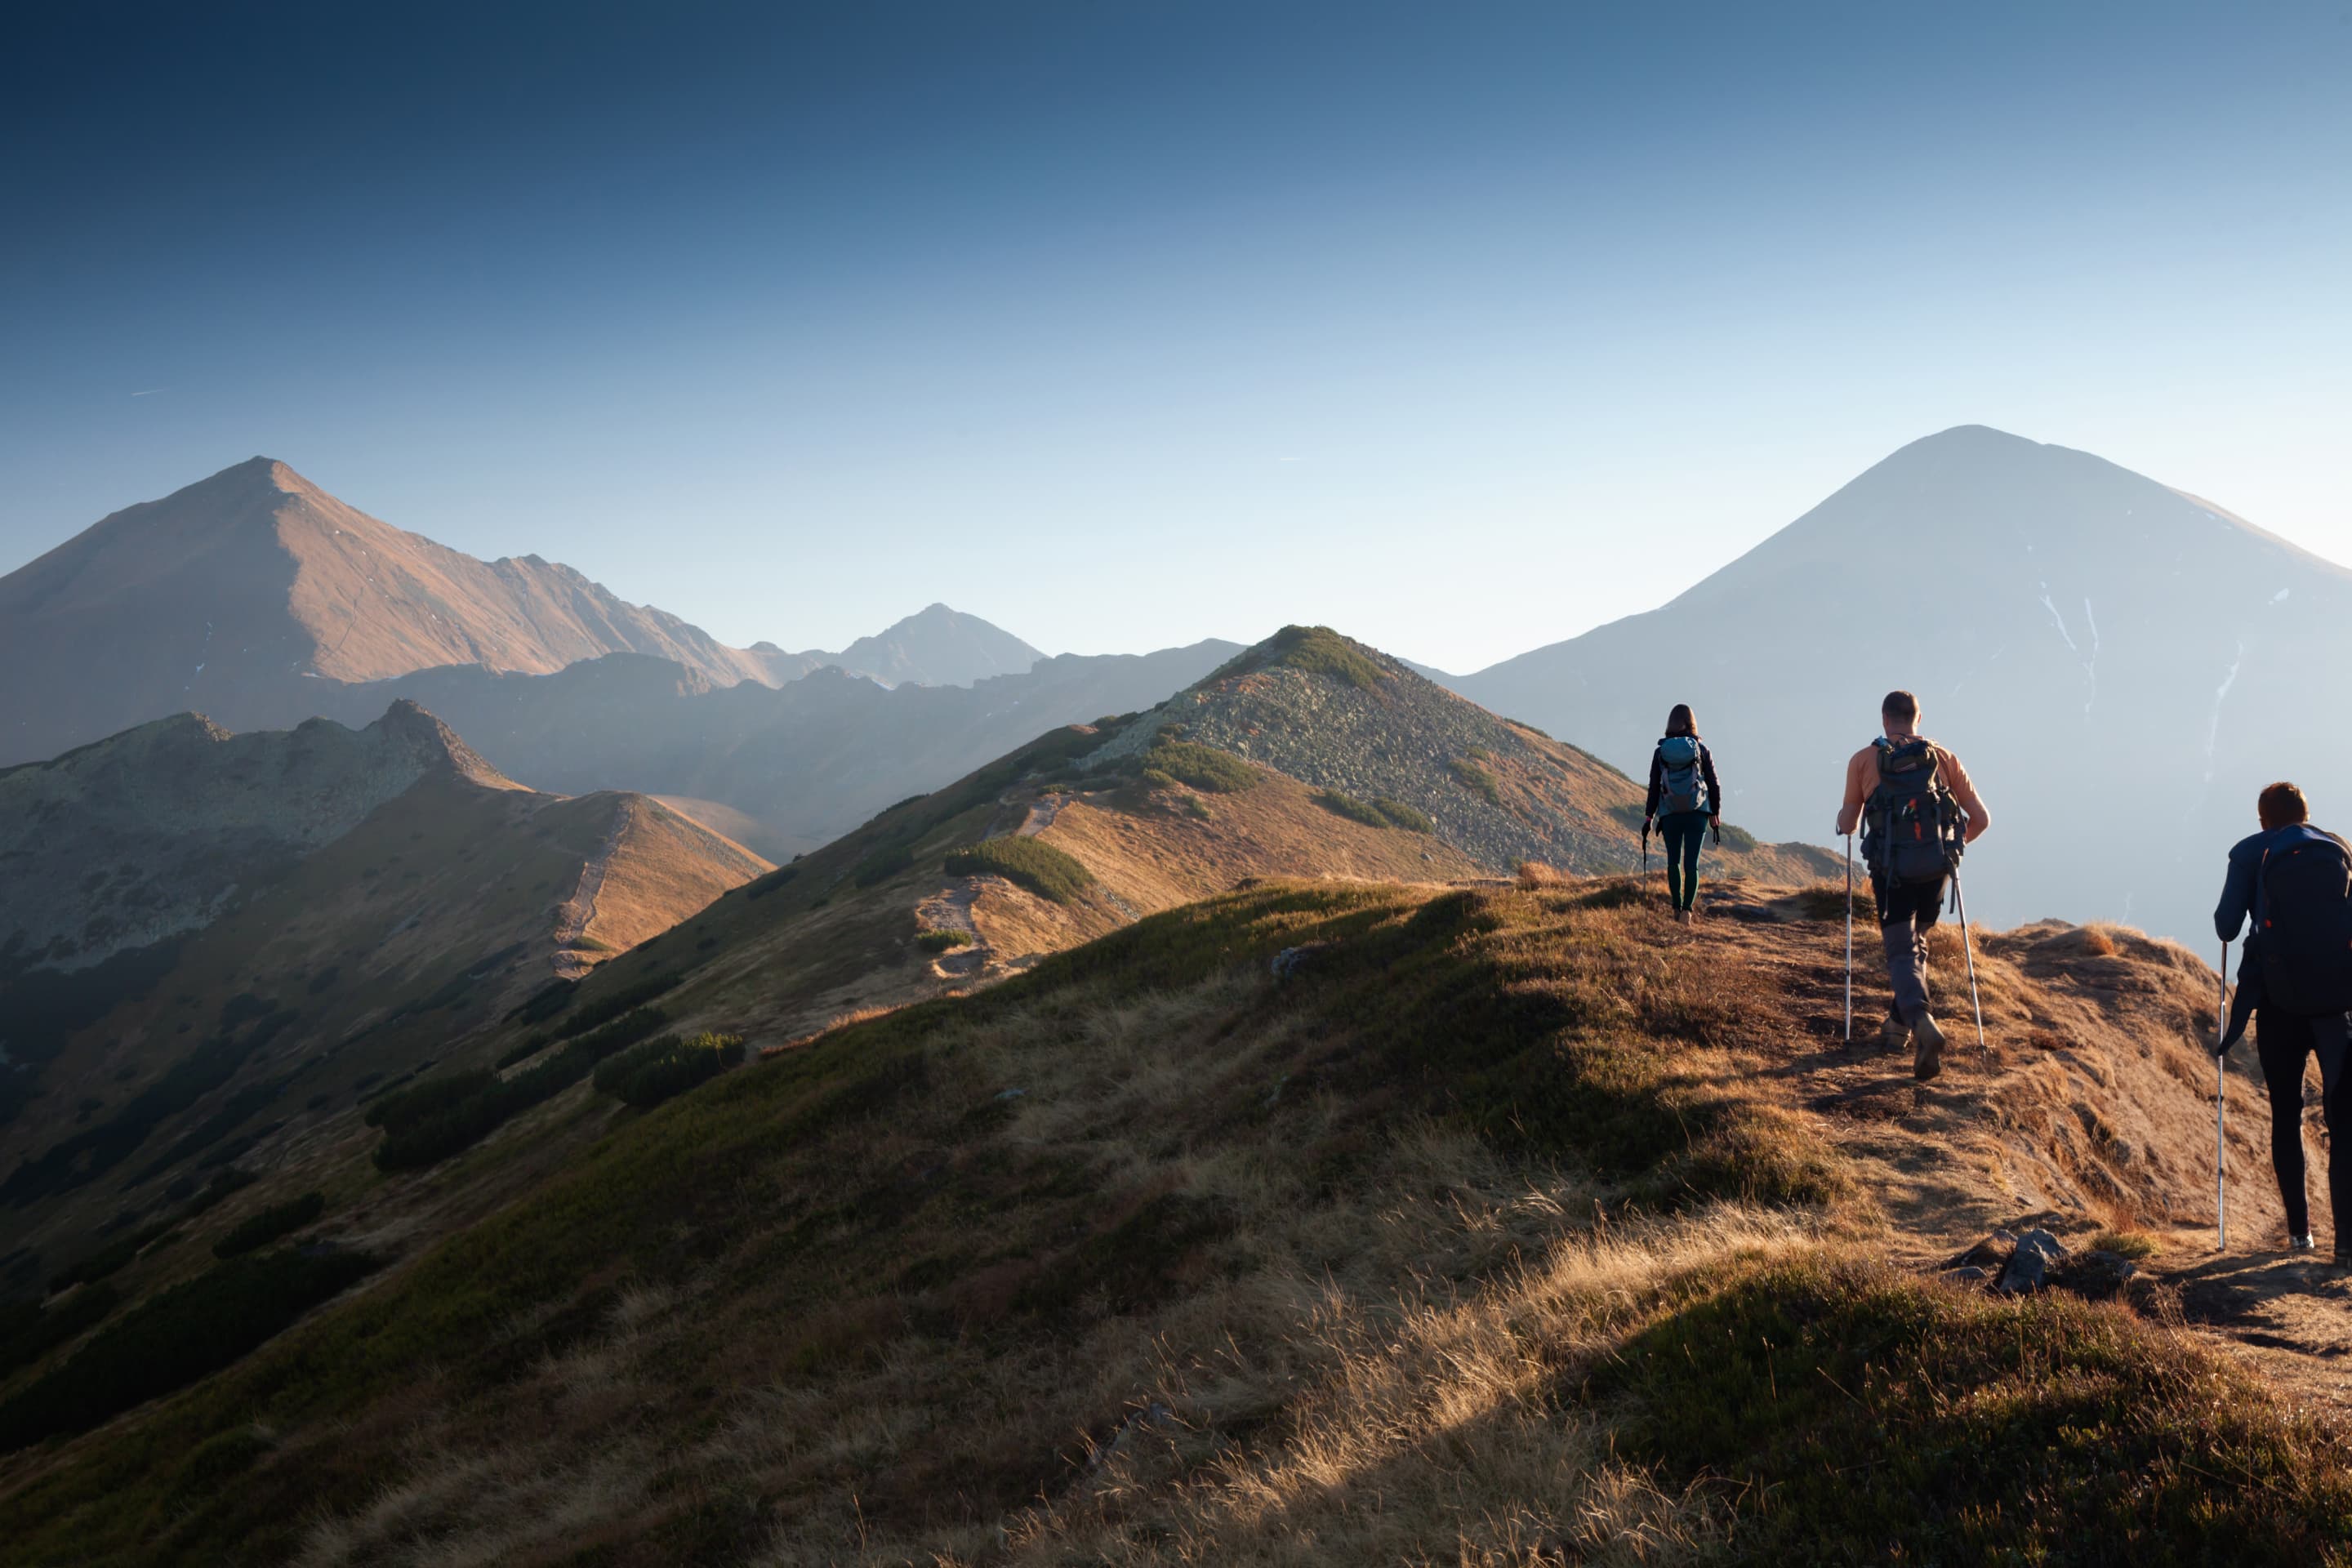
(1684, 801)
(2285, 1041)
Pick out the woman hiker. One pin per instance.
(1685, 800)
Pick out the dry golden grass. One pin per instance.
(1535, 877)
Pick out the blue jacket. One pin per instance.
(2242, 890)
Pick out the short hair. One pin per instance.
(1900, 705)
(2283, 805)
(1681, 723)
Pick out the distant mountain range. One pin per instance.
(2121, 666)
(237, 594)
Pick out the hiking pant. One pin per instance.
(1684, 830)
(2283, 1040)
(1906, 911)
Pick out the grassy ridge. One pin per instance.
(1048, 872)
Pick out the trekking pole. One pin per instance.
(1960, 898)
(1848, 939)
(2221, 1125)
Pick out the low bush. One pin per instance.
(646, 1075)
(29, 1331)
(603, 1009)
(258, 1230)
(1320, 650)
(939, 939)
(1476, 779)
(1348, 806)
(1400, 814)
(217, 1190)
(452, 1128)
(1043, 869)
(1198, 809)
(110, 1259)
(176, 1337)
(420, 1100)
(1203, 767)
(545, 1003)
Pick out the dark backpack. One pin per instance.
(1912, 827)
(1685, 785)
(2306, 925)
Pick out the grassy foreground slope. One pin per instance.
(1501, 1226)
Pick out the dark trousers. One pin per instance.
(1906, 912)
(2284, 1041)
(1683, 831)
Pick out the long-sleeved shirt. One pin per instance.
(1862, 777)
(1706, 772)
(2241, 888)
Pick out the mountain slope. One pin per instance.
(233, 590)
(275, 920)
(1484, 1226)
(2121, 667)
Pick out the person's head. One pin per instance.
(1899, 713)
(1680, 723)
(2283, 805)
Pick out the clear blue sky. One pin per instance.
(1459, 327)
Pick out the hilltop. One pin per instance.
(1314, 1220)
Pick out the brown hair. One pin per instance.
(1900, 705)
(1680, 723)
(2283, 805)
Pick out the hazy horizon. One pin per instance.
(1125, 329)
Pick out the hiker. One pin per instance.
(2289, 878)
(1685, 800)
(1917, 811)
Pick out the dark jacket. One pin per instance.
(2242, 900)
(1706, 772)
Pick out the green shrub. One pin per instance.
(1203, 767)
(1476, 779)
(545, 1003)
(434, 1136)
(1400, 814)
(1738, 838)
(1158, 778)
(29, 1331)
(939, 939)
(176, 1337)
(1348, 806)
(1043, 869)
(605, 1008)
(217, 1190)
(110, 1259)
(258, 1230)
(418, 1101)
(646, 1075)
(1198, 809)
(1320, 650)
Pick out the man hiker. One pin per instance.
(1916, 809)
(2289, 878)
(1686, 800)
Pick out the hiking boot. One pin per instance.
(1927, 1053)
(1894, 1034)
(2301, 1244)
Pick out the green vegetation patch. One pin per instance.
(30, 1330)
(176, 1337)
(1203, 767)
(761, 887)
(428, 1131)
(939, 939)
(1851, 1413)
(603, 1009)
(1048, 872)
(257, 1230)
(881, 864)
(1348, 806)
(645, 1076)
(1320, 650)
(111, 1258)
(1398, 815)
(1477, 779)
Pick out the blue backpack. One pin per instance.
(1685, 785)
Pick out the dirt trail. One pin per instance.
(2090, 1110)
